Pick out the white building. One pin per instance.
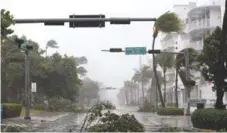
(197, 20)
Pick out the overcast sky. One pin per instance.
(108, 68)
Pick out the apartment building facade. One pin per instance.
(197, 20)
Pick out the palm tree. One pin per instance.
(81, 61)
(168, 22)
(180, 68)
(165, 61)
(51, 44)
(143, 76)
(148, 73)
(136, 78)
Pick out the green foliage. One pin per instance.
(112, 122)
(6, 22)
(147, 107)
(38, 106)
(11, 110)
(12, 128)
(208, 58)
(165, 60)
(89, 91)
(109, 105)
(55, 75)
(180, 58)
(168, 22)
(170, 111)
(180, 64)
(210, 118)
(177, 129)
(57, 104)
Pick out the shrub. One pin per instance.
(112, 122)
(170, 111)
(210, 119)
(12, 128)
(60, 104)
(39, 106)
(109, 105)
(177, 129)
(109, 122)
(171, 105)
(11, 110)
(147, 107)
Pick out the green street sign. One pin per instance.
(135, 50)
(24, 45)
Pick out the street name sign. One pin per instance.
(135, 50)
(33, 87)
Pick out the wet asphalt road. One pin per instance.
(73, 121)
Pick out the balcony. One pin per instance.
(202, 11)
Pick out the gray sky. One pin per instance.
(110, 69)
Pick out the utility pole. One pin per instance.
(27, 87)
(24, 46)
(188, 86)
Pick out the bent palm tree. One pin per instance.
(51, 44)
(168, 22)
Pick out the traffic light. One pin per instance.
(120, 21)
(94, 23)
(23, 45)
(116, 50)
(154, 51)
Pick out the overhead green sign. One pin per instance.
(135, 50)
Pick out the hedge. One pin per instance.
(170, 111)
(210, 118)
(11, 110)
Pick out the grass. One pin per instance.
(32, 112)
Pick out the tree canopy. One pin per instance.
(208, 59)
(56, 75)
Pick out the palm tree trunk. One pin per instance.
(143, 90)
(132, 95)
(164, 72)
(151, 91)
(155, 73)
(176, 88)
(126, 96)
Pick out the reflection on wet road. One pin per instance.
(151, 121)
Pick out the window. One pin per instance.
(186, 20)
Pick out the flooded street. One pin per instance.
(73, 121)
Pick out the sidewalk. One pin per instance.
(35, 119)
(44, 116)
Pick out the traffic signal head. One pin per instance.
(154, 51)
(115, 50)
(84, 24)
(19, 42)
(22, 44)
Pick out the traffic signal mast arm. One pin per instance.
(58, 20)
(149, 51)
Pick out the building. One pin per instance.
(197, 20)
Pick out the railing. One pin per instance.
(202, 23)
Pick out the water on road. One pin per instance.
(73, 121)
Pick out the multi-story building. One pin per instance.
(197, 20)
